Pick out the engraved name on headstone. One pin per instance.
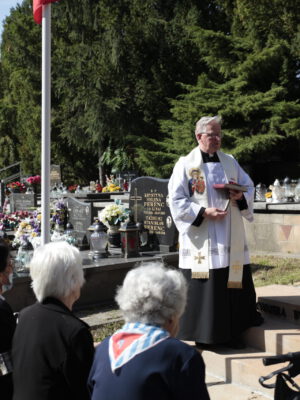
(22, 201)
(55, 174)
(149, 204)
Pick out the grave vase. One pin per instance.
(114, 236)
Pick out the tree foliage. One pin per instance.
(252, 81)
(130, 78)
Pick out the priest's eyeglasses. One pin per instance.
(212, 136)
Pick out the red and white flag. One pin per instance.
(38, 9)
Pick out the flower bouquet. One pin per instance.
(114, 214)
(60, 216)
(268, 197)
(34, 182)
(111, 185)
(72, 188)
(29, 229)
(16, 187)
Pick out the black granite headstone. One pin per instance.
(81, 217)
(55, 174)
(149, 204)
(22, 201)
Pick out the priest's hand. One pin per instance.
(235, 194)
(214, 213)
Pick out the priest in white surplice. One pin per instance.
(213, 252)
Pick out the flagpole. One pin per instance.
(46, 123)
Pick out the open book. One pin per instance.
(233, 186)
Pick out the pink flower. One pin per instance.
(34, 180)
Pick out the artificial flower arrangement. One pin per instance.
(114, 214)
(268, 197)
(9, 222)
(29, 226)
(72, 188)
(34, 180)
(98, 188)
(16, 186)
(111, 186)
(29, 229)
(60, 215)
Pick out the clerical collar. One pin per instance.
(206, 157)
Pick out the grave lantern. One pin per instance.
(99, 241)
(130, 238)
(25, 254)
(289, 193)
(70, 234)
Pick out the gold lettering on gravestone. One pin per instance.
(154, 205)
(55, 174)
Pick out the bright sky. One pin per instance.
(5, 6)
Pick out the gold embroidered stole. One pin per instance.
(198, 259)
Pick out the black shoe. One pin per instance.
(203, 346)
(258, 320)
(236, 343)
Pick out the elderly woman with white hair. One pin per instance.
(143, 360)
(53, 349)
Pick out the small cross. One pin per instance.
(199, 258)
(135, 198)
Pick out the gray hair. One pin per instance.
(152, 294)
(56, 270)
(204, 121)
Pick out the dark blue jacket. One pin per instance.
(171, 370)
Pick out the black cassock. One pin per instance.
(215, 314)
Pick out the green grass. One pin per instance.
(106, 330)
(275, 270)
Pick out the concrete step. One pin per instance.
(280, 301)
(274, 336)
(243, 368)
(218, 389)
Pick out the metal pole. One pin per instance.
(46, 121)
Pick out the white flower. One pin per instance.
(113, 214)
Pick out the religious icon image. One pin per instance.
(196, 183)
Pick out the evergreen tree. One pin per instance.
(130, 79)
(251, 80)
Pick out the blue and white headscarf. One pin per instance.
(131, 340)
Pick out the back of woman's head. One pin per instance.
(152, 294)
(56, 270)
(4, 253)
